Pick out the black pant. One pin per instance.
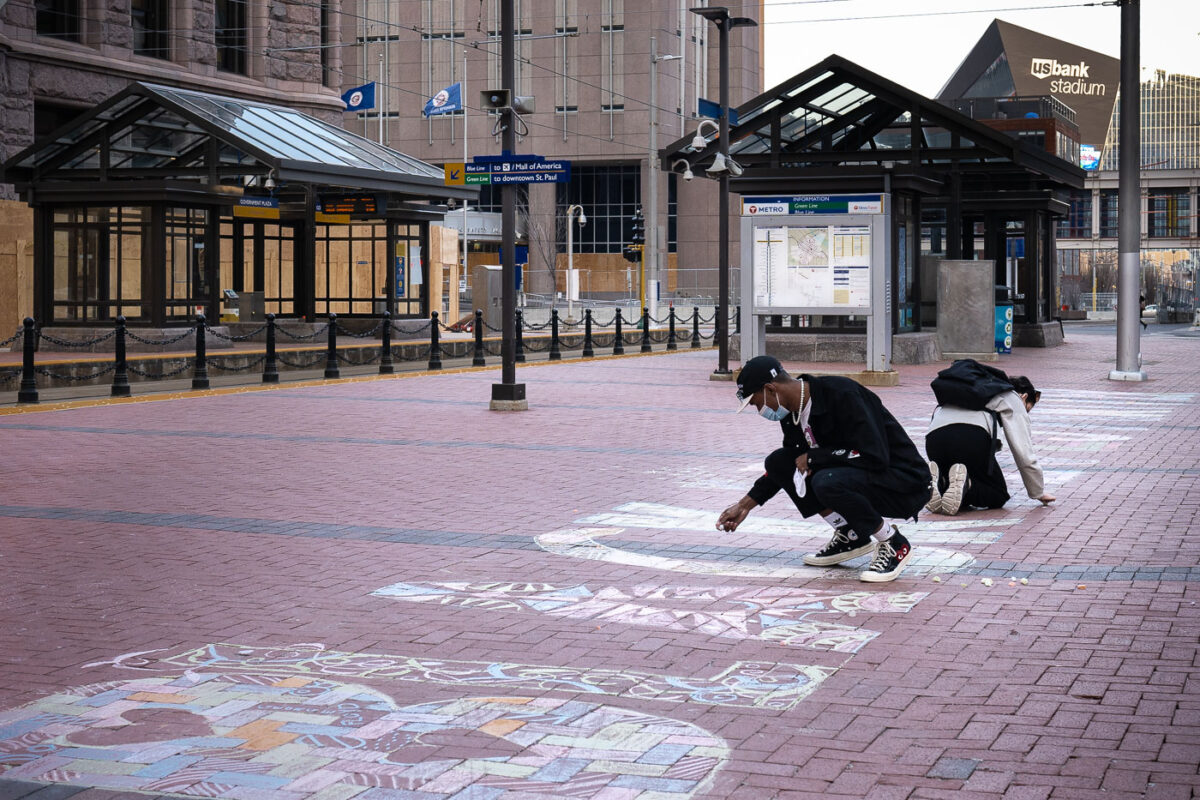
(864, 498)
(971, 446)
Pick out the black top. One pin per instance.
(852, 429)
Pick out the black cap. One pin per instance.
(755, 374)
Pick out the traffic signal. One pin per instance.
(638, 233)
(632, 253)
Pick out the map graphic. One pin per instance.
(808, 247)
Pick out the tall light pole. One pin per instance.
(652, 265)
(572, 280)
(719, 16)
(1129, 217)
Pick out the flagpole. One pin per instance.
(463, 101)
(378, 104)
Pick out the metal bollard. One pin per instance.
(671, 344)
(737, 321)
(645, 329)
(435, 343)
(717, 327)
(120, 384)
(520, 337)
(695, 326)
(386, 365)
(28, 392)
(478, 360)
(331, 365)
(270, 368)
(619, 339)
(555, 353)
(588, 352)
(200, 368)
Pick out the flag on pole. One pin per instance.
(360, 98)
(445, 101)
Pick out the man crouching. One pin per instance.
(844, 456)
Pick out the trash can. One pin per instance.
(1004, 319)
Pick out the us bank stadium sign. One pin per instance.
(1068, 78)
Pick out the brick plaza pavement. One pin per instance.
(381, 590)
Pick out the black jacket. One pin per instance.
(852, 429)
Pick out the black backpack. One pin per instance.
(968, 384)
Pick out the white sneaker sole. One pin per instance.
(934, 506)
(884, 577)
(815, 560)
(952, 498)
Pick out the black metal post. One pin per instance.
(28, 392)
(331, 365)
(718, 328)
(270, 368)
(619, 339)
(695, 326)
(200, 368)
(479, 360)
(120, 384)
(520, 336)
(386, 365)
(588, 352)
(645, 329)
(555, 353)
(671, 343)
(737, 320)
(435, 344)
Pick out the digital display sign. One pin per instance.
(358, 204)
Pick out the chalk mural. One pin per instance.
(788, 616)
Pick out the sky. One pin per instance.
(921, 49)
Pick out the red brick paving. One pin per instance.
(1056, 691)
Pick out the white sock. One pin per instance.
(883, 534)
(834, 519)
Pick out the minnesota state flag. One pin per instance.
(445, 101)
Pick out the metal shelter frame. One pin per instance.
(839, 128)
(167, 151)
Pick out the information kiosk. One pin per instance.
(817, 254)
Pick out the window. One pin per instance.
(58, 18)
(1168, 213)
(327, 76)
(1108, 213)
(231, 35)
(1078, 222)
(609, 196)
(151, 21)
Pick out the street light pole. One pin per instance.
(652, 263)
(719, 15)
(572, 281)
(1129, 219)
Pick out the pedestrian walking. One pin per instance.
(843, 457)
(962, 443)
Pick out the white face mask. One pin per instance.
(778, 414)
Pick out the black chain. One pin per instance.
(9, 375)
(186, 333)
(300, 337)
(58, 377)
(244, 337)
(363, 335)
(490, 328)
(224, 368)
(529, 326)
(296, 364)
(187, 364)
(20, 332)
(428, 325)
(529, 345)
(88, 343)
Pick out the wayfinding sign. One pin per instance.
(806, 204)
(498, 170)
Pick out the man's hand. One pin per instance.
(732, 517)
(1046, 499)
(802, 464)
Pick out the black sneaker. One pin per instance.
(890, 558)
(845, 545)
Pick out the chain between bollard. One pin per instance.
(200, 371)
(519, 338)
(270, 367)
(479, 360)
(435, 346)
(120, 384)
(555, 352)
(331, 364)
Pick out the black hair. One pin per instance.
(1022, 385)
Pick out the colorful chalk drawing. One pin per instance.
(743, 684)
(262, 736)
(785, 616)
